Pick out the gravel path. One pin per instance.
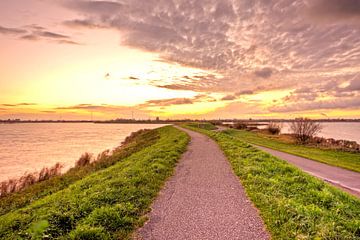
(339, 177)
(203, 200)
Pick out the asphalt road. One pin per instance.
(203, 200)
(339, 177)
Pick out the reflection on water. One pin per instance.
(31, 146)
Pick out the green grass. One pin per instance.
(107, 204)
(205, 125)
(347, 160)
(293, 204)
(57, 183)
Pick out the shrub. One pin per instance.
(240, 125)
(304, 129)
(89, 233)
(274, 128)
(84, 160)
(14, 185)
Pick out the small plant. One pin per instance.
(274, 128)
(14, 185)
(304, 129)
(84, 160)
(240, 125)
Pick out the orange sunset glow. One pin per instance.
(82, 59)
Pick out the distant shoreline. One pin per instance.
(131, 121)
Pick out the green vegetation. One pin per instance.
(293, 204)
(106, 204)
(134, 143)
(205, 125)
(337, 158)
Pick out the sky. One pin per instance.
(204, 59)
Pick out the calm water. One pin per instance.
(31, 146)
(336, 130)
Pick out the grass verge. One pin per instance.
(139, 141)
(107, 204)
(347, 160)
(293, 204)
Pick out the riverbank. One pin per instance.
(347, 160)
(104, 204)
(293, 204)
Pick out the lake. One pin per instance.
(337, 130)
(28, 147)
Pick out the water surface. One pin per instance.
(28, 147)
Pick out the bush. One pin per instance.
(274, 128)
(240, 125)
(304, 129)
(89, 233)
(84, 160)
(14, 185)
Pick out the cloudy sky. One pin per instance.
(72, 59)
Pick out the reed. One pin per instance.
(16, 184)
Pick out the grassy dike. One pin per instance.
(347, 160)
(107, 204)
(293, 204)
(20, 199)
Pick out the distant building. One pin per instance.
(157, 119)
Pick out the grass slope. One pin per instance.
(57, 183)
(108, 204)
(347, 160)
(293, 204)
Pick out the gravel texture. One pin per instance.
(203, 200)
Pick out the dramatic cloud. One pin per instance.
(236, 39)
(308, 49)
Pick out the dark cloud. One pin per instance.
(264, 73)
(34, 32)
(11, 31)
(82, 23)
(18, 104)
(63, 41)
(31, 37)
(245, 92)
(97, 7)
(352, 103)
(169, 102)
(228, 97)
(335, 10)
(54, 35)
(354, 84)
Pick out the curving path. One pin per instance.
(344, 179)
(203, 200)
(339, 177)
